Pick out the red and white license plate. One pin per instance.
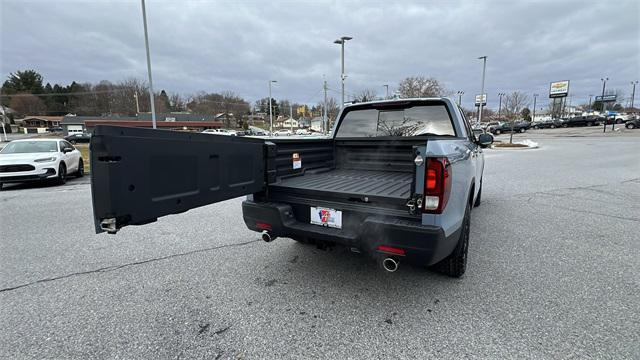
(326, 217)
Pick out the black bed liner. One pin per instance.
(393, 185)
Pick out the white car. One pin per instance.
(302, 132)
(282, 132)
(221, 132)
(39, 159)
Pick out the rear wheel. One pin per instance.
(589, 124)
(523, 130)
(618, 121)
(62, 174)
(497, 132)
(553, 126)
(455, 264)
(631, 125)
(80, 172)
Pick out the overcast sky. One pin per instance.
(239, 45)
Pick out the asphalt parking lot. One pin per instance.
(552, 273)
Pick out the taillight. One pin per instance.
(437, 185)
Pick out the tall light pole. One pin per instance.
(325, 123)
(535, 97)
(604, 85)
(590, 96)
(460, 93)
(386, 86)
(146, 44)
(270, 108)
(484, 68)
(633, 92)
(341, 41)
(500, 95)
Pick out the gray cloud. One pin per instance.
(240, 45)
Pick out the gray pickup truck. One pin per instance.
(397, 180)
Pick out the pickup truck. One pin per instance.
(396, 180)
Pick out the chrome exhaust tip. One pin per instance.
(266, 237)
(390, 264)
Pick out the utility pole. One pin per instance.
(604, 85)
(633, 93)
(500, 95)
(291, 116)
(135, 95)
(386, 86)
(535, 97)
(146, 43)
(484, 68)
(324, 109)
(341, 42)
(460, 93)
(270, 108)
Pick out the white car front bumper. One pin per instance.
(28, 171)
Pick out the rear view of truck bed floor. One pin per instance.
(389, 184)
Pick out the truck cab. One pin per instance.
(396, 180)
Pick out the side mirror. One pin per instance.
(67, 149)
(485, 140)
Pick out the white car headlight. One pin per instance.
(49, 159)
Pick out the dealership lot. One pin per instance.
(552, 272)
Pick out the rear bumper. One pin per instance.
(423, 245)
(49, 172)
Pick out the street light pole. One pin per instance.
(500, 95)
(387, 91)
(270, 108)
(325, 123)
(633, 92)
(341, 41)
(146, 43)
(604, 85)
(484, 68)
(535, 97)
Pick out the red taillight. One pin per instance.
(391, 250)
(263, 226)
(437, 185)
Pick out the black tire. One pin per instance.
(536, 127)
(62, 174)
(455, 264)
(497, 132)
(523, 130)
(630, 126)
(618, 121)
(553, 126)
(479, 197)
(589, 124)
(80, 172)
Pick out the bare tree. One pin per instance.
(27, 104)
(420, 86)
(514, 103)
(366, 95)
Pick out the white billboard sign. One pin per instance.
(559, 89)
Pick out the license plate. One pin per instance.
(326, 217)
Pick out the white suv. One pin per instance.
(39, 159)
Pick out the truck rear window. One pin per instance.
(411, 121)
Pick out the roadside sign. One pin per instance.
(559, 89)
(607, 98)
(484, 99)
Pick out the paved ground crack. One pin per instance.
(135, 263)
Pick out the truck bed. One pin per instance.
(357, 183)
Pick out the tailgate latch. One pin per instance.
(414, 204)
